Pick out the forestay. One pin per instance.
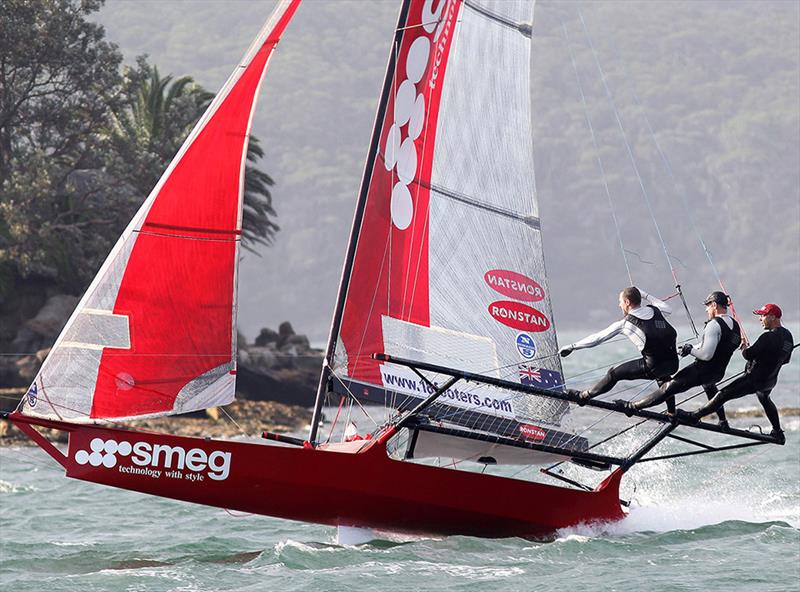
(448, 267)
(155, 332)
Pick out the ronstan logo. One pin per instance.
(518, 316)
(148, 457)
(514, 285)
(532, 432)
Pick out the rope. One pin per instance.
(597, 152)
(234, 422)
(613, 105)
(335, 419)
(681, 190)
(678, 186)
(632, 158)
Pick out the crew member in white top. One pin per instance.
(721, 337)
(649, 331)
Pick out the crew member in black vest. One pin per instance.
(765, 358)
(721, 337)
(649, 331)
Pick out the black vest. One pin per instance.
(659, 343)
(729, 342)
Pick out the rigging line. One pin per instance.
(597, 152)
(353, 397)
(335, 419)
(610, 97)
(610, 413)
(603, 441)
(681, 190)
(639, 257)
(22, 449)
(613, 105)
(234, 422)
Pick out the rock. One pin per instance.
(285, 331)
(9, 372)
(241, 340)
(251, 417)
(288, 386)
(28, 366)
(298, 343)
(26, 340)
(261, 358)
(52, 317)
(267, 336)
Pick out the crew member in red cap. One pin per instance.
(721, 337)
(765, 357)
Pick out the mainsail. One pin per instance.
(448, 267)
(155, 332)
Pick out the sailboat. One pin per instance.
(443, 316)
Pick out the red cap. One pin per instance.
(769, 309)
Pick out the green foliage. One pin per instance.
(258, 225)
(82, 143)
(151, 123)
(58, 78)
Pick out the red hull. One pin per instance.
(364, 488)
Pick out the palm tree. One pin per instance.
(159, 114)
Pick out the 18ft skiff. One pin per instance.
(443, 316)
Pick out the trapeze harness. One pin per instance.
(659, 355)
(703, 373)
(659, 352)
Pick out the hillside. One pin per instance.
(718, 82)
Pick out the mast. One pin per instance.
(356, 226)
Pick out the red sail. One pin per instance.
(178, 288)
(390, 271)
(155, 333)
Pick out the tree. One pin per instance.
(58, 77)
(81, 144)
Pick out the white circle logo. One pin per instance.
(103, 452)
(400, 152)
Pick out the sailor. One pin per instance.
(649, 331)
(764, 358)
(721, 337)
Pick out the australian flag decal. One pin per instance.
(540, 377)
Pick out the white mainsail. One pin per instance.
(448, 268)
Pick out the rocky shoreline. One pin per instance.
(240, 418)
(276, 384)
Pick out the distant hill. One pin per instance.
(718, 81)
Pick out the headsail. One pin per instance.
(155, 332)
(448, 267)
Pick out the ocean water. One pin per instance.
(720, 522)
